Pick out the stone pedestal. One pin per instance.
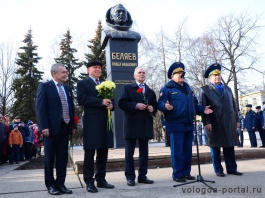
(121, 59)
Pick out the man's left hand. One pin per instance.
(237, 125)
(150, 108)
(109, 106)
(207, 110)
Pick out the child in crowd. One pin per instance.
(15, 142)
(29, 137)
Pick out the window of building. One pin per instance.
(246, 102)
(254, 102)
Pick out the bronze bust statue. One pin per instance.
(119, 18)
(119, 21)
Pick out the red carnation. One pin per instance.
(140, 90)
(76, 119)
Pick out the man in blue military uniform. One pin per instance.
(259, 124)
(221, 124)
(177, 103)
(249, 124)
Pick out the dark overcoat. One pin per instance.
(224, 116)
(137, 123)
(95, 135)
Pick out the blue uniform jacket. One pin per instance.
(249, 120)
(180, 118)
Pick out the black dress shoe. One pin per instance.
(262, 146)
(65, 190)
(235, 173)
(53, 191)
(181, 179)
(146, 181)
(130, 182)
(104, 184)
(189, 177)
(220, 174)
(91, 188)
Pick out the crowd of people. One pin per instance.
(19, 141)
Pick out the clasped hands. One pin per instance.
(142, 106)
(107, 103)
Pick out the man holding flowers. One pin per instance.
(138, 101)
(97, 106)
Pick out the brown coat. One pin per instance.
(15, 137)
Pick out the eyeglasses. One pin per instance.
(141, 72)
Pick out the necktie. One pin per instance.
(97, 82)
(142, 86)
(66, 117)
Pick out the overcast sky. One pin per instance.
(49, 19)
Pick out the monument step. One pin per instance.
(161, 161)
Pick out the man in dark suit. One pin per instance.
(95, 134)
(139, 104)
(55, 114)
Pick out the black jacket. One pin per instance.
(137, 123)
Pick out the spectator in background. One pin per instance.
(24, 132)
(164, 128)
(35, 140)
(15, 142)
(5, 147)
(205, 136)
(2, 137)
(240, 129)
(199, 129)
(29, 141)
(6, 117)
(259, 125)
(249, 124)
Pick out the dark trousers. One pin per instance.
(252, 138)
(130, 144)
(262, 136)
(229, 157)
(14, 153)
(1, 148)
(167, 140)
(22, 152)
(28, 150)
(101, 161)
(181, 153)
(240, 137)
(56, 152)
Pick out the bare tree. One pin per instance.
(7, 75)
(177, 44)
(236, 38)
(200, 54)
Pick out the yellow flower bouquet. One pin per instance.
(106, 90)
